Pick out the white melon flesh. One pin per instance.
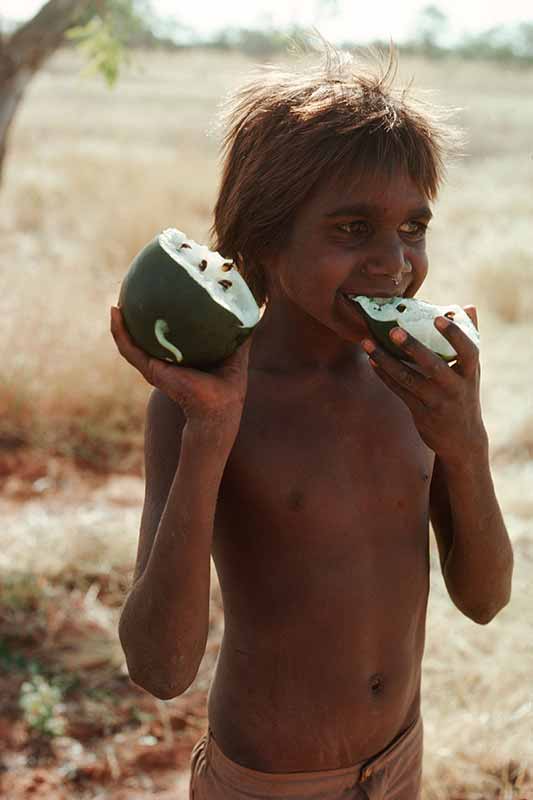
(236, 297)
(417, 318)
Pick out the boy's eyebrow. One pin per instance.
(367, 209)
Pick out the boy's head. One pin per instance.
(289, 132)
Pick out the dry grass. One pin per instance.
(93, 175)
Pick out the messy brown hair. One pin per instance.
(290, 129)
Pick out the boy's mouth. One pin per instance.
(385, 296)
(350, 299)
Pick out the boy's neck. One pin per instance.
(287, 340)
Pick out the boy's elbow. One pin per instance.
(162, 692)
(166, 682)
(161, 689)
(486, 615)
(486, 611)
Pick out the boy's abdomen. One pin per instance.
(325, 674)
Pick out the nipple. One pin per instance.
(295, 500)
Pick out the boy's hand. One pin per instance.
(444, 400)
(215, 397)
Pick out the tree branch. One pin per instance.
(37, 39)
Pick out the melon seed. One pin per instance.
(203, 264)
(450, 314)
(226, 266)
(185, 245)
(225, 284)
(401, 307)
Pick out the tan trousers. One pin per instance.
(393, 774)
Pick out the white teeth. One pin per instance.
(378, 300)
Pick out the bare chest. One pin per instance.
(322, 478)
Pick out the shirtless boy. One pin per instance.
(308, 472)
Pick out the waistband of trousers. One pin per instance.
(243, 778)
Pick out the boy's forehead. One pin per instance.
(384, 192)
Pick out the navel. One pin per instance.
(377, 683)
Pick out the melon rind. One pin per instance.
(203, 325)
(417, 319)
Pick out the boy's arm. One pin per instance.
(164, 622)
(474, 547)
(475, 551)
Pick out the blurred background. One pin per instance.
(108, 133)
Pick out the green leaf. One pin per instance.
(102, 47)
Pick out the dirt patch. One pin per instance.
(117, 741)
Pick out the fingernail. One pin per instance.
(442, 323)
(398, 335)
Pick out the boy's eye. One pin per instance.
(414, 229)
(357, 226)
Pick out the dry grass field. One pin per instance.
(91, 175)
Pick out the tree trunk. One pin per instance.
(25, 51)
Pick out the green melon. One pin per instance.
(186, 304)
(417, 318)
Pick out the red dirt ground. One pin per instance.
(126, 744)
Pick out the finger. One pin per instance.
(433, 366)
(123, 340)
(154, 370)
(411, 401)
(472, 313)
(467, 351)
(411, 381)
(125, 344)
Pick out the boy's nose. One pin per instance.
(387, 262)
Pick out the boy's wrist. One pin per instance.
(211, 431)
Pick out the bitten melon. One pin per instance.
(186, 304)
(417, 318)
